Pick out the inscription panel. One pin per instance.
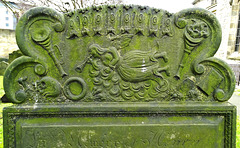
(121, 132)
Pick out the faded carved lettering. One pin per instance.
(68, 137)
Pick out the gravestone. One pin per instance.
(119, 76)
(3, 65)
(5, 62)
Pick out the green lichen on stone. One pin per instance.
(119, 76)
(127, 124)
(3, 65)
(118, 54)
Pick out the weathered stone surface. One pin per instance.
(5, 62)
(3, 65)
(119, 76)
(109, 125)
(118, 53)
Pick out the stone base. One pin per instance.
(114, 125)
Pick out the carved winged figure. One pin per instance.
(135, 66)
(139, 65)
(108, 56)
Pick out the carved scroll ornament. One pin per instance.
(118, 53)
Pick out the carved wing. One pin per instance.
(109, 54)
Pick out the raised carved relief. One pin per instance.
(126, 74)
(196, 31)
(122, 41)
(79, 90)
(43, 37)
(99, 20)
(167, 28)
(118, 53)
(73, 30)
(85, 25)
(46, 88)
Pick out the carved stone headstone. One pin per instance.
(3, 65)
(119, 76)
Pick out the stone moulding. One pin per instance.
(118, 54)
(138, 125)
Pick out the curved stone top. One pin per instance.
(118, 54)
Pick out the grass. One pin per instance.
(8, 104)
(1, 122)
(238, 132)
(1, 86)
(1, 108)
(237, 91)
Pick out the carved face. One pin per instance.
(198, 29)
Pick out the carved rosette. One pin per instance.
(118, 53)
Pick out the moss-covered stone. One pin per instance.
(119, 76)
(109, 125)
(118, 53)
